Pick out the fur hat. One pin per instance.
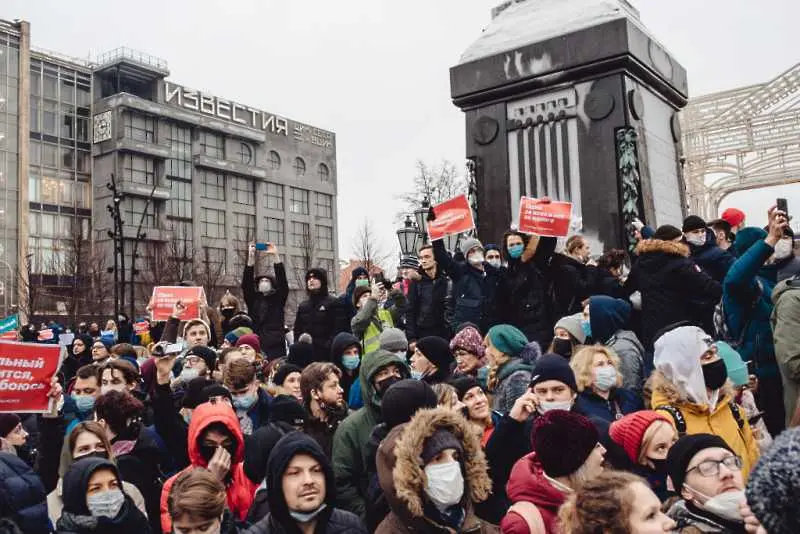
(628, 432)
(563, 441)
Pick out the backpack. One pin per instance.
(680, 421)
(721, 329)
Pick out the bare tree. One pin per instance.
(368, 249)
(437, 183)
(211, 272)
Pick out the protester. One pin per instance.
(359, 277)
(609, 322)
(468, 351)
(12, 434)
(510, 362)
(119, 375)
(646, 437)
(100, 352)
(566, 453)
(250, 401)
(614, 502)
(786, 335)
(431, 360)
(250, 346)
(302, 498)
(79, 406)
(198, 361)
(79, 354)
(432, 471)
(197, 504)
(599, 380)
(320, 315)
(425, 315)
(787, 263)
(266, 297)
(323, 399)
(346, 354)
(22, 496)
(476, 406)
(690, 386)
(704, 250)
(371, 317)
(573, 279)
(773, 485)
(735, 219)
(722, 234)
(569, 334)
(287, 380)
(609, 274)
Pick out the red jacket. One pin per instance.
(240, 489)
(527, 483)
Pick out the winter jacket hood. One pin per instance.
(607, 315)
(76, 480)
(402, 475)
(657, 246)
(322, 276)
(342, 341)
(370, 365)
(528, 483)
(205, 415)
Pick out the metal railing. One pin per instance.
(124, 52)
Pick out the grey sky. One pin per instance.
(376, 72)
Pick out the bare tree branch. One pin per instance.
(438, 183)
(368, 249)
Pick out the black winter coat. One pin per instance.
(605, 283)
(22, 496)
(267, 311)
(673, 288)
(330, 521)
(320, 316)
(141, 467)
(714, 261)
(572, 284)
(425, 314)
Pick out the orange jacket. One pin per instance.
(240, 490)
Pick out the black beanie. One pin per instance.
(193, 397)
(440, 440)
(464, 383)
(286, 409)
(683, 451)
(301, 354)
(692, 223)
(553, 367)
(667, 232)
(437, 350)
(402, 400)
(208, 355)
(284, 371)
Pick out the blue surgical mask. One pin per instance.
(351, 361)
(605, 378)
(85, 403)
(305, 517)
(244, 401)
(416, 375)
(515, 251)
(587, 328)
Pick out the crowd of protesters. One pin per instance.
(523, 387)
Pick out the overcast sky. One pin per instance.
(376, 72)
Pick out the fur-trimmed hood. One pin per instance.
(402, 475)
(673, 248)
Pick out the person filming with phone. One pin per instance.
(266, 296)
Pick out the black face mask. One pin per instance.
(715, 374)
(386, 383)
(228, 313)
(95, 454)
(659, 466)
(562, 347)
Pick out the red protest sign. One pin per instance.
(453, 216)
(12, 336)
(46, 334)
(165, 297)
(140, 327)
(548, 219)
(26, 370)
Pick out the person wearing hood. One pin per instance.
(646, 437)
(197, 504)
(786, 337)
(96, 503)
(704, 250)
(608, 319)
(747, 308)
(78, 355)
(431, 360)
(302, 497)
(469, 353)
(359, 277)
(324, 401)
(215, 442)
(320, 316)
(787, 263)
(569, 334)
(425, 313)
(706, 473)
(573, 279)
(566, 453)
(690, 386)
(256, 454)
(601, 394)
(433, 472)
(523, 294)
(508, 354)
(346, 354)
(22, 496)
(371, 317)
(673, 288)
(378, 372)
(250, 401)
(266, 297)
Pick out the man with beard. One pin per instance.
(323, 398)
(266, 300)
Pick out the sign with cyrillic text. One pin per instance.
(26, 370)
(543, 217)
(453, 216)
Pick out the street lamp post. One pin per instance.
(408, 236)
(119, 256)
(421, 218)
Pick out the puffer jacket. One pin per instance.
(608, 318)
(402, 478)
(239, 488)
(22, 496)
(352, 435)
(321, 316)
(620, 401)
(673, 288)
(786, 328)
(267, 311)
(425, 312)
(714, 261)
(527, 483)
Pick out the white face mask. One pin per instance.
(605, 378)
(264, 286)
(725, 505)
(476, 258)
(697, 240)
(783, 249)
(495, 262)
(545, 406)
(106, 503)
(445, 485)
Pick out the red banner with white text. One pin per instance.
(26, 370)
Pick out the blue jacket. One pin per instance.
(712, 259)
(22, 496)
(620, 400)
(748, 308)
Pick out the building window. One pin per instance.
(62, 191)
(323, 172)
(138, 169)
(180, 141)
(325, 237)
(139, 127)
(298, 201)
(327, 264)
(275, 230)
(213, 185)
(300, 264)
(214, 261)
(244, 227)
(134, 208)
(213, 145)
(245, 154)
(324, 205)
(244, 190)
(299, 167)
(274, 196)
(301, 237)
(213, 223)
(274, 160)
(180, 199)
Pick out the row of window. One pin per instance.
(60, 189)
(58, 156)
(213, 225)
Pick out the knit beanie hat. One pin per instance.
(286, 409)
(667, 232)
(402, 400)
(682, 452)
(193, 397)
(692, 223)
(194, 322)
(553, 367)
(214, 390)
(468, 244)
(628, 432)
(563, 441)
(358, 292)
(301, 354)
(8, 422)
(250, 339)
(774, 484)
(470, 340)
(737, 369)
(208, 355)
(507, 339)
(393, 340)
(572, 324)
(437, 350)
(233, 336)
(733, 216)
(463, 384)
(284, 371)
(440, 440)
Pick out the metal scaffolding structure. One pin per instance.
(744, 138)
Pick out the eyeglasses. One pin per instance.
(710, 468)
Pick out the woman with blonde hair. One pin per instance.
(616, 503)
(599, 381)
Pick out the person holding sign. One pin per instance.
(266, 299)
